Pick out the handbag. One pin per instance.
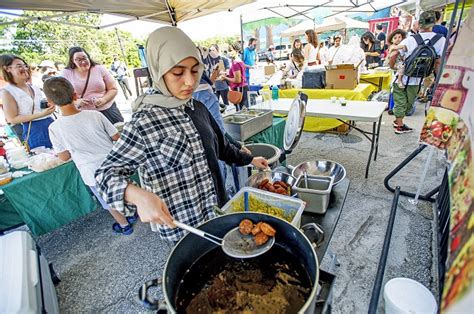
(25, 141)
(215, 74)
(234, 97)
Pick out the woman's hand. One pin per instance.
(260, 163)
(99, 102)
(47, 111)
(245, 150)
(81, 102)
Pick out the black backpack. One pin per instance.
(421, 62)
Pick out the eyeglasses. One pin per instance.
(81, 60)
(19, 66)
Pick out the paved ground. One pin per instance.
(101, 271)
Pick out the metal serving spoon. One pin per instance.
(234, 243)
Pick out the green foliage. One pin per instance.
(48, 40)
(250, 26)
(222, 42)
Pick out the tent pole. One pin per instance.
(121, 46)
(241, 34)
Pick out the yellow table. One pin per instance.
(316, 124)
(381, 80)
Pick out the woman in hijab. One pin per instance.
(173, 142)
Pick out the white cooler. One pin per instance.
(25, 276)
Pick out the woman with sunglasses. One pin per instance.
(94, 85)
(22, 102)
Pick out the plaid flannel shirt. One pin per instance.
(165, 147)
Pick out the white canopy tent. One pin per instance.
(332, 23)
(301, 8)
(163, 11)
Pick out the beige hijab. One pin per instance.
(165, 48)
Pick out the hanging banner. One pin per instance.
(449, 125)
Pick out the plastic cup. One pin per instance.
(333, 99)
(404, 295)
(342, 101)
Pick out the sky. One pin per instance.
(217, 24)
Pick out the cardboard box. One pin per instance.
(341, 76)
(269, 69)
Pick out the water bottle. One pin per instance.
(275, 95)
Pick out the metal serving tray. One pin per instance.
(243, 125)
(315, 191)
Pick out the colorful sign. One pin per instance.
(449, 125)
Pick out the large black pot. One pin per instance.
(191, 248)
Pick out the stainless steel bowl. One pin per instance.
(321, 168)
(255, 179)
(268, 151)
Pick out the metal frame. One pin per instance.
(373, 138)
(406, 161)
(188, 14)
(345, 8)
(374, 300)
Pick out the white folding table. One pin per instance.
(363, 111)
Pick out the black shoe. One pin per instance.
(390, 112)
(403, 129)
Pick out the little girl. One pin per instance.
(395, 60)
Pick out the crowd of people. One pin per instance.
(176, 139)
(175, 142)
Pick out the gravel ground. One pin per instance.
(101, 272)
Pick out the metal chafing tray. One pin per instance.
(245, 124)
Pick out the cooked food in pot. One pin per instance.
(272, 283)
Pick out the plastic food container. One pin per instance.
(5, 178)
(315, 191)
(19, 164)
(287, 208)
(404, 295)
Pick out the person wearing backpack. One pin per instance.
(421, 53)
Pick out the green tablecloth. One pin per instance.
(8, 215)
(47, 200)
(271, 135)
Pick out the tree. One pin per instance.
(222, 42)
(269, 24)
(46, 40)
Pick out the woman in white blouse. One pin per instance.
(310, 52)
(22, 102)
